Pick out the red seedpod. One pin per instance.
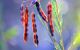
(50, 23)
(35, 37)
(24, 20)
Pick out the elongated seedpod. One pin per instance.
(41, 12)
(50, 24)
(35, 37)
(25, 22)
